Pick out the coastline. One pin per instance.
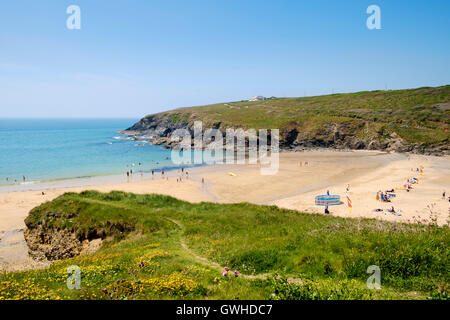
(86, 181)
(293, 187)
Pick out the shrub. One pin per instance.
(319, 290)
(255, 260)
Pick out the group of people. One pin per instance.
(183, 174)
(388, 194)
(384, 196)
(301, 163)
(419, 170)
(410, 182)
(15, 180)
(129, 173)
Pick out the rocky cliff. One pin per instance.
(415, 120)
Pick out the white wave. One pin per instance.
(28, 183)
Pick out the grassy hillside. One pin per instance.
(157, 247)
(417, 116)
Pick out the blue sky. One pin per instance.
(137, 57)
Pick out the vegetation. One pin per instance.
(416, 115)
(158, 247)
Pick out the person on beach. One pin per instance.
(326, 209)
(348, 187)
(128, 174)
(23, 178)
(328, 192)
(443, 195)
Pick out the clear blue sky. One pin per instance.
(136, 57)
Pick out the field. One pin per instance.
(158, 247)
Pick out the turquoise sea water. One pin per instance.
(52, 149)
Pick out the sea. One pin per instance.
(46, 151)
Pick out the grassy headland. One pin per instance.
(404, 120)
(158, 247)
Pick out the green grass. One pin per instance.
(324, 257)
(416, 115)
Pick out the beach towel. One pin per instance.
(391, 195)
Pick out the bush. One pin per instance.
(439, 295)
(319, 290)
(255, 260)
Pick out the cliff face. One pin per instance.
(63, 229)
(50, 244)
(157, 129)
(156, 125)
(415, 120)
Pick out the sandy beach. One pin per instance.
(301, 176)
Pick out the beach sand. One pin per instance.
(293, 187)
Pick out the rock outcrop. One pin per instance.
(157, 129)
(49, 244)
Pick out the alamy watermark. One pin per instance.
(74, 279)
(237, 146)
(73, 22)
(374, 20)
(374, 281)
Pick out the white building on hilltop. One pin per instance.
(257, 98)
